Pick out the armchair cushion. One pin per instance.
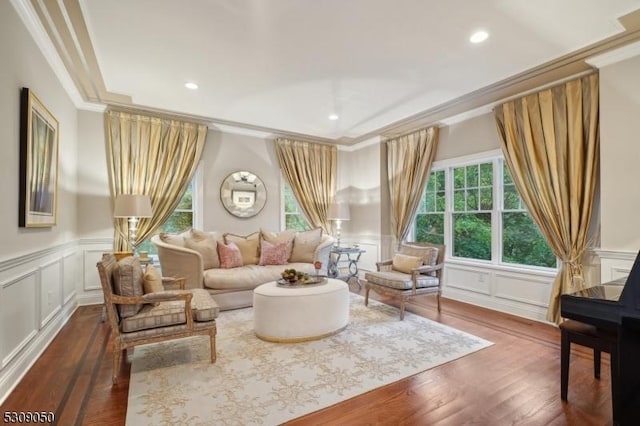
(400, 280)
(304, 246)
(162, 314)
(405, 263)
(152, 281)
(128, 281)
(429, 255)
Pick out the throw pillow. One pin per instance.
(230, 256)
(280, 237)
(152, 281)
(304, 246)
(205, 244)
(248, 245)
(173, 239)
(405, 263)
(127, 281)
(429, 255)
(273, 254)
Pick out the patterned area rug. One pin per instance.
(255, 382)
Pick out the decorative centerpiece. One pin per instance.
(293, 278)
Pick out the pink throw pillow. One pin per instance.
(229, 254)
(273, 254)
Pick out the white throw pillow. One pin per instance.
(405, 263)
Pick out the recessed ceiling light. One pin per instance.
(191, 85)
(479, 37)
(333, 117)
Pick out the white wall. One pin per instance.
(619, 165)
(39, 267)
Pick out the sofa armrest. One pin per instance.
(172, 283)
(181, 262)
(322, 253)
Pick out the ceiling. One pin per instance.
(283, 66)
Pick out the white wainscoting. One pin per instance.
(38, 293)
(615, 264)
(522, 293)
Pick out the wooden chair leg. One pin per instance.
(596, 363)
(402, 302)
(212, 339)
(366, 296)
(438, 298)
(117, 356)
(565, 350)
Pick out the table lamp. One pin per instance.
(133, 207)
(338, 212)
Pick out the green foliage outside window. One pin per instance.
(293, 217)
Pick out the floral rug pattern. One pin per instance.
(260, 383)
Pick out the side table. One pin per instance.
(343, 264)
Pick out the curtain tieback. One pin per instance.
(576, 273)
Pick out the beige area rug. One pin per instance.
(259, 383)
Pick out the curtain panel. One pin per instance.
(550, 142)
(152, 156)
(409, 160)
(311, 171)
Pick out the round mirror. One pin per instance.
(243, 194)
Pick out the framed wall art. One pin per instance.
(38, 163)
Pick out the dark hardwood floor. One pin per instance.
(515, 381)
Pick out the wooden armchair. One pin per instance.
(137, 318)
(416, 269)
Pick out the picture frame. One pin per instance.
(39, 133)
(243, 199)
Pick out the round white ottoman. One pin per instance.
(299, 314)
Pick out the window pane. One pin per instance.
(430, 228)
(505, 173)
(431, 182)
(511, 198)
(522, 242)
(472, 176)
(486, 198)
(429, 202)
(472, 199)
(458, 178)
(472, 235)
(486, 174)
(459, 201)
(440, 180)
(295, 221)
(440, 201)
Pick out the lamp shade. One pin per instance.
(338, 211)
(132, 205)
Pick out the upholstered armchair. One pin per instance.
(139, 318)
(414, 270)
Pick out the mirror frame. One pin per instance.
(243, 194)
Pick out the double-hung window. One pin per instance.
(475, 209)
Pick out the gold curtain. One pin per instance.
(151, 156)
(311, 171)
(409, 160)
(550, 142)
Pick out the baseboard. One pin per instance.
(20, 365)
(90, 299)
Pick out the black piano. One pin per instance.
(615, 307)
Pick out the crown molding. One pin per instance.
(614, 56)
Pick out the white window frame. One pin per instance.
(497, 158)
(283, 213)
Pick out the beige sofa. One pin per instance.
(202, 259)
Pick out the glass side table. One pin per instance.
(343, 264)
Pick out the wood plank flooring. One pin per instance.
(515, 381)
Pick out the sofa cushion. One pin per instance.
(151, 280)
(248, 245)
(429, 255)
(162, 314)
(204, 243)
(305, 244)
(405, 263)
(273, 254)
(128, 281)
(280, 237)
(249, 277)
(230, 255)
